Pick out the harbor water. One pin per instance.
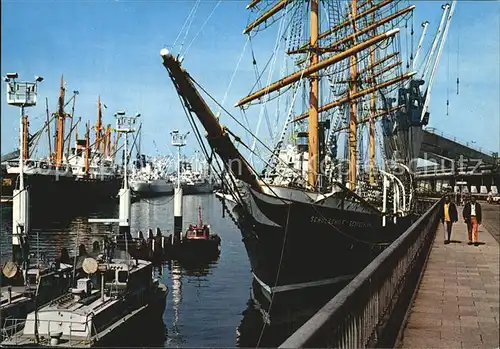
(207, 306)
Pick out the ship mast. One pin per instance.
(373, 107)
(51, 157)
(115, 143)
(59, 141)
(353, 139)
(313, 100)
(87, 148)
(98, 125)
(106, 145)
(347, 48)
(25, 138)
(359, 94)
(75, 93)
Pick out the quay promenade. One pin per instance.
(457, 302)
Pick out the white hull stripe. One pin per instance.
(228, 197)
(294, 287)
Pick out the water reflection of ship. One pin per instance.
(68, 232)
(64, 233)
(196, 274)
(266, 325)
(174, 334)
(61, 216)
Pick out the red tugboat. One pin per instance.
(198, 242)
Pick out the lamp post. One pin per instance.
(22, 94)
(179, 141)
(125, 124)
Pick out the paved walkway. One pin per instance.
(457, 304)
(491, 219)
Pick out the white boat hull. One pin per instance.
(152, 188)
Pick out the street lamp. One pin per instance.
(20, 94)
(125, 124)
(178, 140)
(11, 76)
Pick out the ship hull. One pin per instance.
(192, 250)
(64, 189)
(125, 334)
(297, 246)
(162, 188)
(152, 188)
(53, 286)
(122, 333)
(197, 188)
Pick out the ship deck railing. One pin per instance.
(368, 311)
(12, 328)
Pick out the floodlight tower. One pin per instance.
(125, 124)
(179, 141)
(20, 94)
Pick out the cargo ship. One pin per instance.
(80, 174)
(151, 177)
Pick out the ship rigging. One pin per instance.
(308, 201)
(85, 169)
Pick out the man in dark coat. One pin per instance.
(448, 215)
(472, 216)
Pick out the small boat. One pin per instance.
(115, 298)
(198, 243)
(30, 282)
(20, 294)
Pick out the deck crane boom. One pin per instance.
(435, 41)
(425, 25)
(436, 62)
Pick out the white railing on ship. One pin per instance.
(12, 327)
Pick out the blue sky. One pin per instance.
(112, 48)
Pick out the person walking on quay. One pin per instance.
(467, 221)
(472, 216)
(448, 216)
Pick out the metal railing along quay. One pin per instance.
(369, 311)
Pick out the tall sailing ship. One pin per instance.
(310, 219)
(81, 173)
